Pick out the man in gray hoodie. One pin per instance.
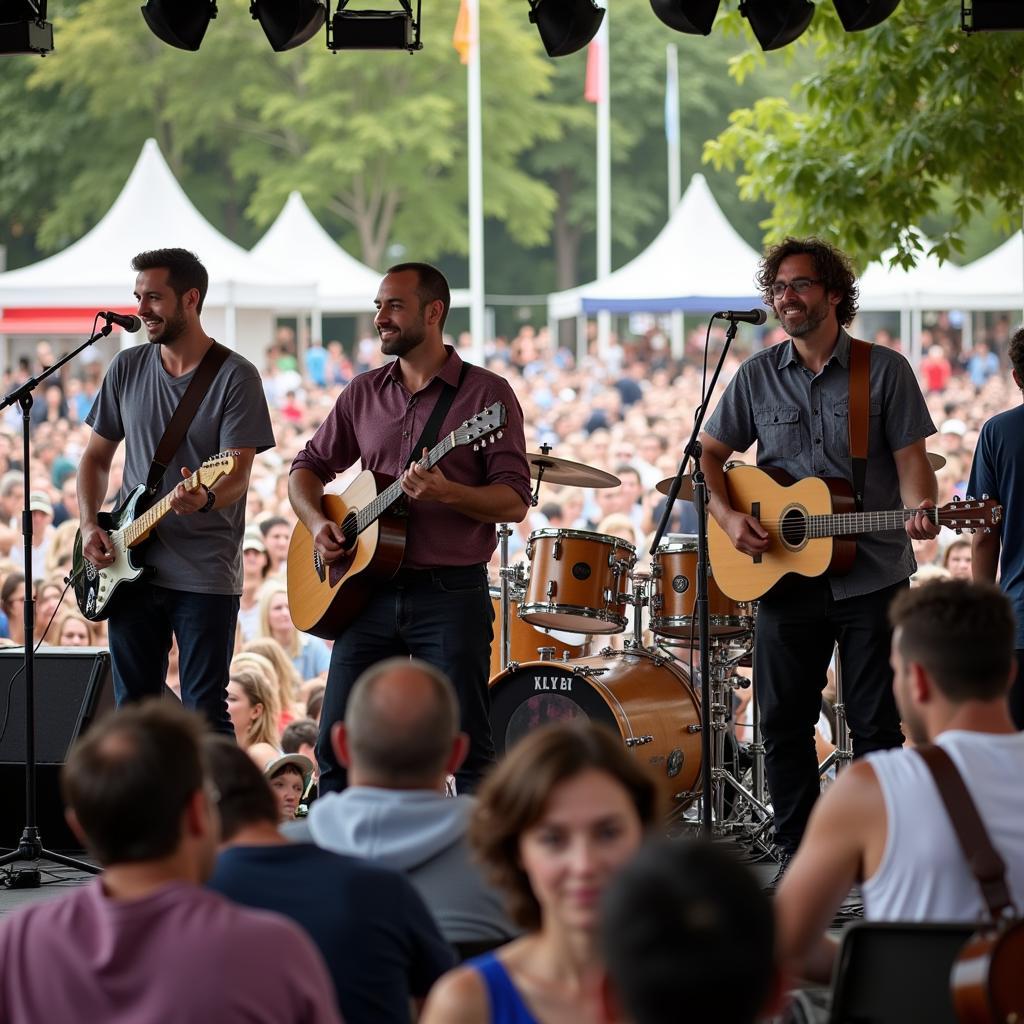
(399, 741)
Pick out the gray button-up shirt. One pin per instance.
(801, 424)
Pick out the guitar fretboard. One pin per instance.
(836, 524)
(138, 528)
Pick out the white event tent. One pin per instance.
(153, 212)
(698, 263)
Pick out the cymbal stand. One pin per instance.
(842, 753)
(504, 602)
(638, 599)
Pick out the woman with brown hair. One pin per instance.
(12, 603)
(555, 820)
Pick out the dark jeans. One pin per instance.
(442, 616)
(140, 630)
(798, 622)
(1017, 693)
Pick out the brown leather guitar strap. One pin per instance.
(174, 433)
(982, 857)
(859, 415)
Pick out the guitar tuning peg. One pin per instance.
(956, 499)
(501, 433)
(984, 497)
(476, 447)
(959, 531)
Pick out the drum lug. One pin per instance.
(556, 549)
(546, 653)
(549, 590)
(657, 601)
(606, 651)
(693, 728)
(639, 741)
(609, 596)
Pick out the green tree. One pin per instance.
(908, 121)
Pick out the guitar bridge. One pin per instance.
(318, 565)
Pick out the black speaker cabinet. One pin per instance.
(73, 687)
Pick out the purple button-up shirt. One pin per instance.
(376, 421)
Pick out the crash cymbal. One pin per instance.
(935, 460)
(685, 489)
(561, 471)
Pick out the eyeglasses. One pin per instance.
(798, 284)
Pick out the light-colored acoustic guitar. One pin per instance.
(129, 527)
(811, 526)
(323, 598)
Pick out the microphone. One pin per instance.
(744, 316)
(130, 323)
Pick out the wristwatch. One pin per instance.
(210, 499)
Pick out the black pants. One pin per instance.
(1017, 693)
(441, 616)
(798, 622)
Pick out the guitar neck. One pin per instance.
(138, 528)
(835, 525)
(375, 509)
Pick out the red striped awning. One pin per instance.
(52, 320)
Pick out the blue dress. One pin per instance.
(507, 1006)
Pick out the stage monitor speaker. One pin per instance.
(73, 687)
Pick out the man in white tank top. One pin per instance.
(883, 823)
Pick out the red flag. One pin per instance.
(462, 37)
(592, 85)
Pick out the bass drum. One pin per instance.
(648, 701)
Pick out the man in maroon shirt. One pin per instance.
(437, 606)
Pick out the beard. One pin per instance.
(813, 317)
(402, 343)
(172, 328)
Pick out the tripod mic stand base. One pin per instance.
(30, 848)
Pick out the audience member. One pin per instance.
(277, 535)
(676, 922)
(144, 941)
(289, 777)
(12, 602)
(299, 737)
(378, 939)
(309, 654)
(400, 741)
(883, 823)
(557, 818)
(255, 566)
(252, 706)
(957, 559)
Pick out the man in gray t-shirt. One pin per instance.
(195, 551)
(792, 400)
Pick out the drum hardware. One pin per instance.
(639, 741)
(546, 653)
(842, 755)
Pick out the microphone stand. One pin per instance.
(700, 501)
(30, 846)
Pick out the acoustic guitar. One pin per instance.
(986, 980)
(129, 526)
(325, 598)
(811, 525)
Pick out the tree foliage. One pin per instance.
(894, 125)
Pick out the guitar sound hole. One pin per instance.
(793, 528)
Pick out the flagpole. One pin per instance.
(675, 170)
(604, 179)
(477, 312)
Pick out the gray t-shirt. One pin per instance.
(196, 553)
(801, 424)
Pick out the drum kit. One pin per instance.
(577, 585)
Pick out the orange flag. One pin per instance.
(462, 37)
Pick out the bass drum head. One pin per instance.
(647, 701)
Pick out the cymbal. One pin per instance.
(935, 460)
(685, 489)
(562, 471)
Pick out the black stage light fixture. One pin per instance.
(991, 15)
(289, 23)
(24, 28)
(857, 15)
(180, 23)
(394, 29)
(776, 23)
(694, 16)
(565, 26)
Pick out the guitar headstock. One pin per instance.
(972, 514)
(477, 430)
(215, 467)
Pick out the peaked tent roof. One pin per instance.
(697, 263)
(995, 281)
(924, 286)
(151, 212)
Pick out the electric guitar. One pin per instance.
(323, 598)
(129, 525)
(810, 525)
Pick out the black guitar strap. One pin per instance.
(444, 402)
(183, 415)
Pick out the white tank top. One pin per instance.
(923, 875)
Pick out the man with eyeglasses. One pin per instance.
(793, 399)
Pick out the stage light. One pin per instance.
(180, 23)
(695, 16)
(857, 15)
(565, 26)
(394, 29)
(24, 28)
(289, 23)
(776, 23)
(991, 15)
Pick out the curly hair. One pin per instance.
(833, 268)
(515, 794)
(1016, 353)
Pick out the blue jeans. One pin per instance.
(443, 617)
(140, 631)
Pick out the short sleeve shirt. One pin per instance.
(800, 421)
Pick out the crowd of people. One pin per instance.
(527, 897)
